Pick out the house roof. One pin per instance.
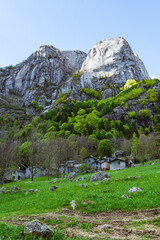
(117, 159)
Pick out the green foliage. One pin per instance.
(148, 83)
(61, 99)
(105, 148)
(151, 95)
(142, 101)
(36, 106)
(130, 83)
(25, 150)
(90, 92)
(83, 168)
(135, 145)
(145, 113)
(132, 114)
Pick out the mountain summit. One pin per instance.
(49, 72)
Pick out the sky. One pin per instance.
(79, 25)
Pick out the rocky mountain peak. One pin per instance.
(49, 72)
(114, 57)
(48, 51)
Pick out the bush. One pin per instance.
(129, 83)
(145, 113)
(83, 168)
(132, 114)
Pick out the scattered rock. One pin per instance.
(136, 177)
(15, 188)
(99, 176)
(79, 179)
(97, 183)
(3, 188)
(125, 196)
(38, 229)
(36, 190)
(83, 185)
(31, 190)
(135, 189)
(72, 175)
(1, 191)
(53, 188)
(73, 204)
(105, 180)
(105, 226)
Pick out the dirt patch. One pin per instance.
(120, 225)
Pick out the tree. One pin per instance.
(8, 154)
(135, 146)
(29, 154)
(56, 151)
(105, 148)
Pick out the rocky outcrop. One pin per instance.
(49, 72)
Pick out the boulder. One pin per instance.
(79, 179)
(134, 189)
(73, 204)
(105, 180)
(72, 175)
(38, 229)
(125, 196)
(15, 188)
(83, 185)
(99, 176)
(52, 188)
(31, 190)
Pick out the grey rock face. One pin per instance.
(99, 176)
(42, 74)
(49, 72)
(114, 58)
(38, 229)
(134, 189)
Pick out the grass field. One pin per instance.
(105, 197)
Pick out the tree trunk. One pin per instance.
(32, 173)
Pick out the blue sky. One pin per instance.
(79, 24)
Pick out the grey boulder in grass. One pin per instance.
(37, 229)
(134, 189)
(99, 176)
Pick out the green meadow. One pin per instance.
(106, 196)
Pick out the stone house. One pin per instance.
(69, 166)
(117, 164)
(37, 171)
(90, 160)
(15, 175)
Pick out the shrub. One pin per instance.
(83, 168)
(132, 114)
(152, 95)
(145, 113)
(149, 83)
(129, 83)
(142, 101)
(90, 92)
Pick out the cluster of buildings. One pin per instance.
(116, 162)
